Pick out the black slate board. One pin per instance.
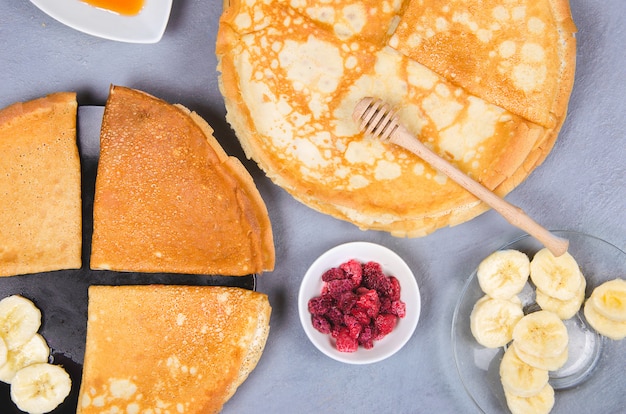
(62, 295)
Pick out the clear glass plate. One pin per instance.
(147, 26)
(593, 378)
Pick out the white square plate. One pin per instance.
(147, 26)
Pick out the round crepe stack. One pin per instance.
(485, 85)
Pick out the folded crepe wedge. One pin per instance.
(291, 74)
(169, 199)
(517, 54)
(176, 349)
(40, 186)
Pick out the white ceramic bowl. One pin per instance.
(145, 27)
(392, 265)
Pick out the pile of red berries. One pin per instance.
(359, 304)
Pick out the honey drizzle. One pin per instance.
(125, 7)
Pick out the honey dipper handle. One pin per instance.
(511, 213)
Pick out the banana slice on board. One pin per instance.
(20, 319)
(547, 363)
(40, 388)
(565, 309)
(559, 277)
(503, 273)
(609, 299)
(603, 325)
(492, 321)
(519, 378)
(542, 334)
(3, 352)
(541, 403)
(34, 351)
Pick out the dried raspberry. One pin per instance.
(398, 308)
(353, 325)
(353, 271)
(372, 269)
(385, 323)
(334, 273)
(345, 342)
(366, 338)
(394, 293)
(347, 301)
(319, 305)
(361, 316)
(374, 278)
(337, 287)
(383, 286)
(361, 290)
(321, 324)
(370, 302)
(385, 304)
(335, 316)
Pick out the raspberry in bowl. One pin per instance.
(359, 303)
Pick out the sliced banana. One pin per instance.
(513, 299)
(603, 325)
(34, 351)
(40, 388)
(492, 321)
(541, 334)
(565, 309)
(540, 403)
(3, 352)
(20, 319)
(547, 363)
(503, 273)
(609, 299)
(559, 277)
(516, 299)
(519, 378)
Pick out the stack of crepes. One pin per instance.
(485, 84)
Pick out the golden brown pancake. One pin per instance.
(169, 199)
(291, 74)
(40, 190)
(177, 349)
(517, 54)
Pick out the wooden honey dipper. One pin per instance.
(376, 118)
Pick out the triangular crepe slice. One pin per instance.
(177, 349)
(40, 190)
(169, 199)
(518, 54)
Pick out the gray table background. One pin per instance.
(581, 186)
